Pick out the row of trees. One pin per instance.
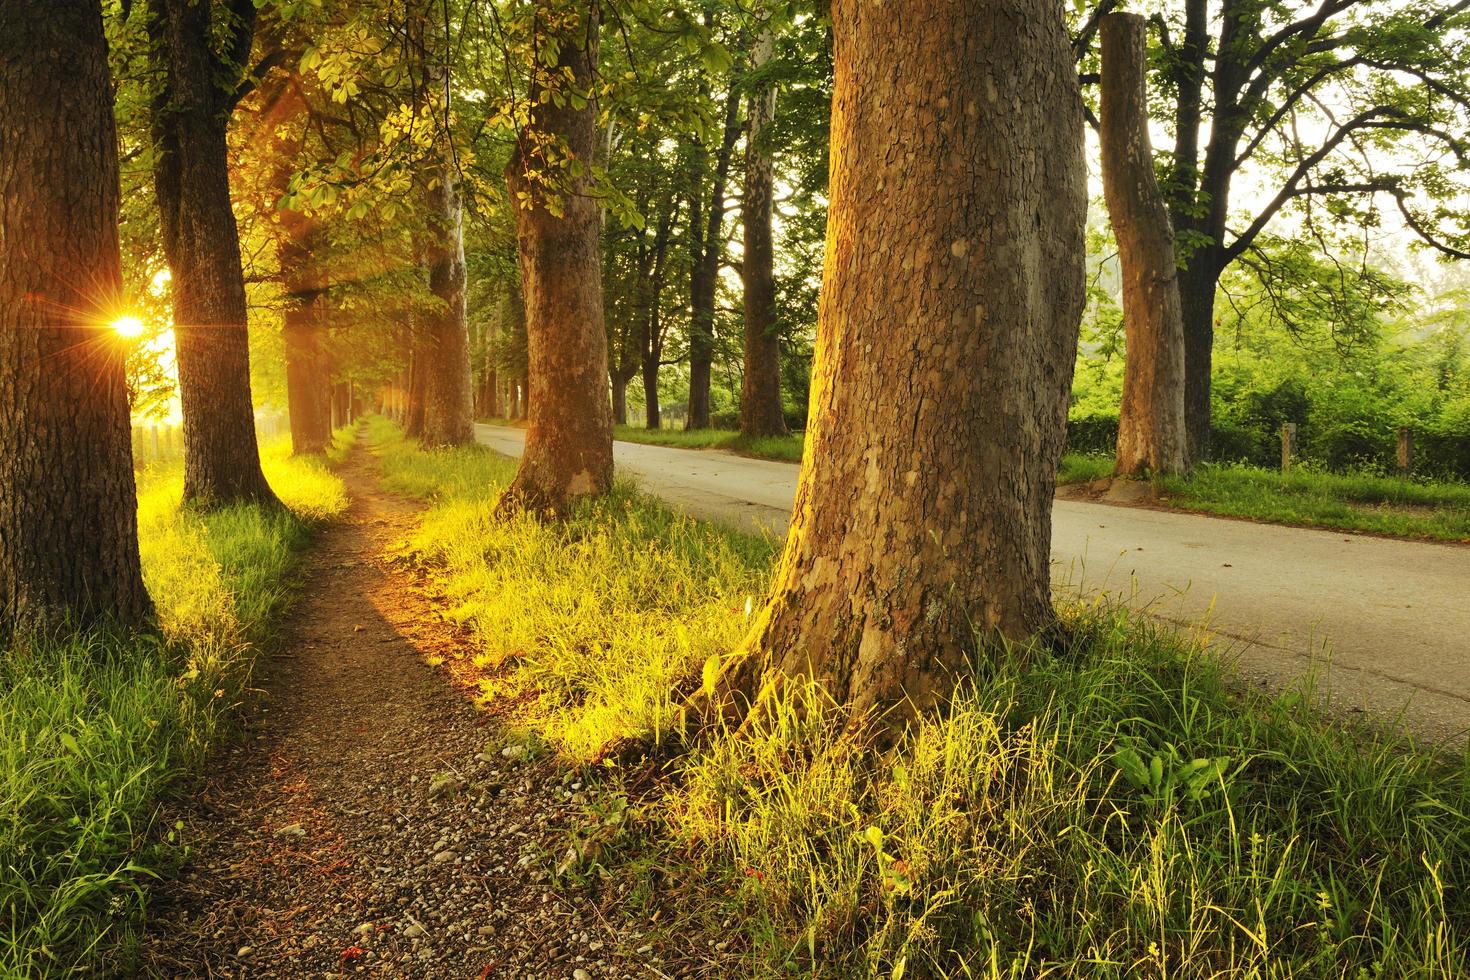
(594, 148)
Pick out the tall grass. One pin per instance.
(94, 728)
(1125, 811)
(599, 619)
(1124, 814)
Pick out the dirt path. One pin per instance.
(368, 822)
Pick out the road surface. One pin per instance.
(1387, 622)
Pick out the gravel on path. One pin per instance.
(372, 820)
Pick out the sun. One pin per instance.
(128, 326)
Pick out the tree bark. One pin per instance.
(951, 300)
(308, 376)
(489, 407)
(653, 412)
(568, 451)
(705, 234)
(418, 361)
(192, 182)
(652, 339)
(620, 400)
(448, 409)
(1151, 432)
(761, 413)
(68, 506)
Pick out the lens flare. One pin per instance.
(128, 326)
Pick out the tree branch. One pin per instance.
(1305, 167)
(252, 79)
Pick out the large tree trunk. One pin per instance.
(704, 277)
(448, 412)
(68, 508)
(568, 450)
(760, 390)
(1151, 432)
(200, 240)
(951, 300)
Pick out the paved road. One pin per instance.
(1388, 621)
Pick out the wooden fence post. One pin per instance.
(1406, 450)
(1288, 445)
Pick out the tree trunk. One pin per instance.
(620, 400)
(705, 274)
(448, 415)
(760, 390)
(68, 507)
(192, 182)
(418, 366)
(1198, 276)
(1197, 283)
(308, 380)
(489, 407)
(653, 413)
(568, 450)
(1151, 433)
(951, 300)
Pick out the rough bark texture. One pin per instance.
(191, 179)
(68, 508)
(448, 402)
(704, 235)
(760, 388)
(951, 300)
(1151, 432)
(568, 450)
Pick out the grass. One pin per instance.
(93, 730)
(786, 448)
(592, 660)
(1308, 498)
(1124, 812)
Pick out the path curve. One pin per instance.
(1386, 621)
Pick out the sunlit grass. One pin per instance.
(1310, 498)
(597, 619)
(1125, 811)
(93, 730)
